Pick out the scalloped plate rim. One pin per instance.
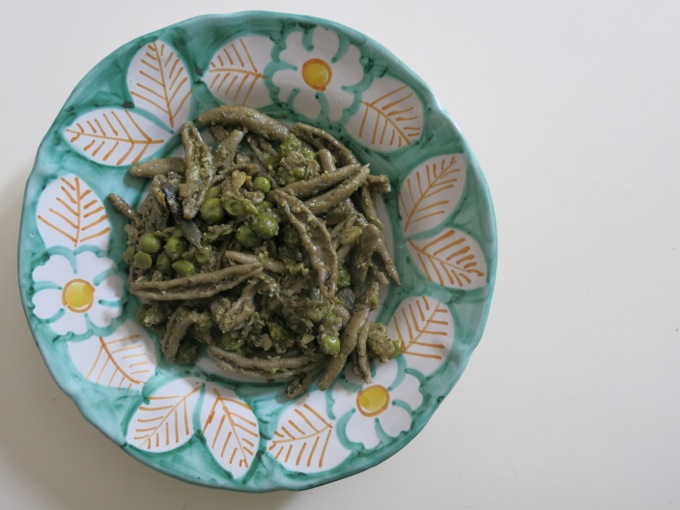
(72, 389)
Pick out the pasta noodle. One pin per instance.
(266, 248)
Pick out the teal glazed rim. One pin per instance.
(199, 424)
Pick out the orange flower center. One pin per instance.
(78, 296)
(317, 73)
(373, 400)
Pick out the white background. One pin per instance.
(571, 401)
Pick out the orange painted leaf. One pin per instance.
(164, 422)
(115, 137)
(230, 429)
(451, 259)
(160, 84)
(426, 328)
(124, 360)
(235, 74)
(431, 192)
(70, 214)
(305, 439)
(390, 116)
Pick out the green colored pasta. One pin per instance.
(264, 250)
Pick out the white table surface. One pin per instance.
(572, 399)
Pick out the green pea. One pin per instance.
(329, 343)
(149, 243)
(163, 262)
(142, 260)
(247, 236)
(203, 254)
(344, 278)
(175, 246)
(183, 268)
(213, 192)
(265, 226)
(331, 321)
(234, 208)
(261, 183)
(211, 210)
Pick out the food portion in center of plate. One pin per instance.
(265, 247)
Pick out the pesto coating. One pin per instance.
(263, 250)
(155, 167)
(203, 285)
(315, 239)
(334, 197)
(350, 336)
(320, 183)
(199, 171)
(123, 207)
(248, 118)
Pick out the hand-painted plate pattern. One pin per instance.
(390, 116)
(115, 136)
(200, 424)
(236, 71)
(125, 359)
(160, 84)
(70, 214)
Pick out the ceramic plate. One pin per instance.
(199, 424)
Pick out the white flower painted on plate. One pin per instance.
(74, 294)
(382, 407)
(318, 75)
